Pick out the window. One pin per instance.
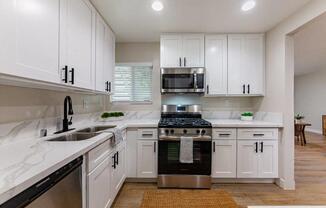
(132, 83)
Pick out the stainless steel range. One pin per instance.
(184, 121)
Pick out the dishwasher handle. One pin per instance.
(30, 194)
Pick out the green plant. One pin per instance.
(111, 114)
(247, 114)
(299, 117)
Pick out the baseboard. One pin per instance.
(286, 186)
(141, 180)
(243, 180)
(316, 131)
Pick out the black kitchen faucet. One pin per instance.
(66, 112)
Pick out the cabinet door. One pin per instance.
(193, 50)
(247, 163)
(109, 58)
(78, 41)
(246, 65)
(146, 159)
(99, 193)
(224, 159)
(216, 64)
(30, 39)
(171, 47)
(120, 172)
(100, 84)
(268, 159)
(255, 63)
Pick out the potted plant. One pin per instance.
(298, 118)
(112, 116)
(247, 116)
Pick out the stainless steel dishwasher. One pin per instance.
(63, 189)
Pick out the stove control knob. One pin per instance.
(185, 131)
(203, 132)
(198, 131)
(172, 131)
(166, 131)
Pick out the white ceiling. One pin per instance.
(310, 47)
(135, 21)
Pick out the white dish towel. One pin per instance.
(117, 136)
(186, 150)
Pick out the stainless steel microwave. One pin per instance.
(182, 80)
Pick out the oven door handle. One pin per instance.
(177, 138)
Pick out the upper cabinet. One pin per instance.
(30, 39)
(246, 64)
(216, 52)
(184, 50)
(61, 42)
(105, 55)
(77, 43)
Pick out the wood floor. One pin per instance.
(310, 175)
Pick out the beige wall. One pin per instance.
(150, 52)
(280, 82)
(310, 98)
(19, 104)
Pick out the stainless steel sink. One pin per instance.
(96, 129)
(74, 137)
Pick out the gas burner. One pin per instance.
(184, 123)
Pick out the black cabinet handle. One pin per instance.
(117, 158)
(154, 146)
(180, 61)
(184, 61)
(256, 147)
(113, 165)
(65, 79)
(259, 135)
(213, 146)
(248, 90)
(207, 89)
(109, 87)
(72, 71)
(224, 134)
(261, 146)
(243, 89)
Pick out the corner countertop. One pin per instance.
(25, 162)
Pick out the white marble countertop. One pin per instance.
(237, 123)
(24, 163)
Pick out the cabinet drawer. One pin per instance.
(98, 155)
(224, 133)
(147, 133)
(258, 133)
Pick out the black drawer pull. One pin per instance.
(256, 135)
(224, 135)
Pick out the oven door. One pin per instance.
(169, 153)
(182, 80)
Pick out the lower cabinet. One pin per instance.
(224, 159)
(257, 159)
(147, 158)
(105, 180)
(99, 185)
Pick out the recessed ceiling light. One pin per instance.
(248, 5)
(157, 6)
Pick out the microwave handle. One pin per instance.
(195, 81)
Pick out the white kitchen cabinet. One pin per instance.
(99, 185)
(268, 159)
(182, 50)
(105, 46)
(216, 64)
(146, 158)
(257, 159)
(224, 159)
(246, 64)
(30, 39)
(118, 171)
(77, 42)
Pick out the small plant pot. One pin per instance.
(247, 118)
